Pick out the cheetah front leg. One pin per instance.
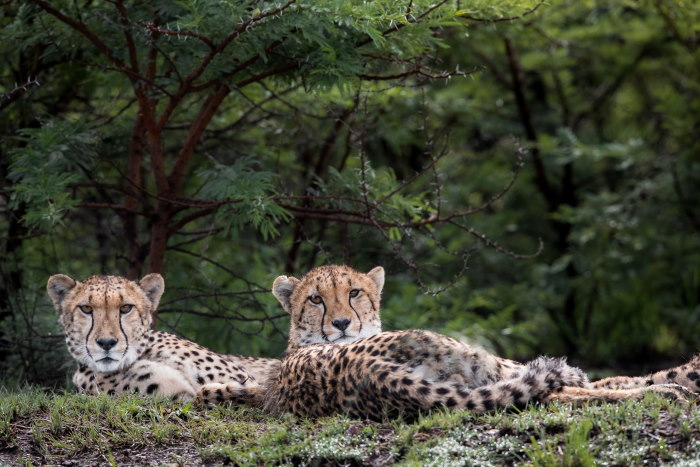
(251, 396)
(144, 377)
(687, 375)
(84, 380)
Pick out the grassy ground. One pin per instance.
(38, 428)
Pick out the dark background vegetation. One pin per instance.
(528, 173)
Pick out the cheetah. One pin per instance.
(107, 322)
(338, 360)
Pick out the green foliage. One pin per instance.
(598, 83)
(46, 161)
(247, 192)
(324, 150)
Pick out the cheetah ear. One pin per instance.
(377, 275)
(282, 289)
(154, 286)
(58, 287)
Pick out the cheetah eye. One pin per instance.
(87, 309)
(354, 293)
(315, 299)
(124, 309)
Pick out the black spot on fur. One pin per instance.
(151, 388)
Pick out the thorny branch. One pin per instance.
(19, 90)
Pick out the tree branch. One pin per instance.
(114, 207)
(126, 25)
(167, 32)
(17, 92)
(498, 20)
(186, 86)
(189, 218)
(82, 29)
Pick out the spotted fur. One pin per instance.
(107, 321)
(687, 375)
(328, 371)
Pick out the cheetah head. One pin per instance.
(105, 317)
(331, 304)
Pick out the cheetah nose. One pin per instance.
(341, 324)
(106, 343)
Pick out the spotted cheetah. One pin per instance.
(107, 321)
(338, 360)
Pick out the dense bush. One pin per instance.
(526, 172)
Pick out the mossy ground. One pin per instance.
(38, 428)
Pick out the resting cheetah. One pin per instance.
(107, 320)
(332, 367)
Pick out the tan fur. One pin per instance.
(687, 375)
(321, 323)
(107, 321)
(326, 372)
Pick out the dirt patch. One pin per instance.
(124, 456)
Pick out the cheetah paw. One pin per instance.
(211, 393)
(217, 393)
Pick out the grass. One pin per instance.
(38, 428)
